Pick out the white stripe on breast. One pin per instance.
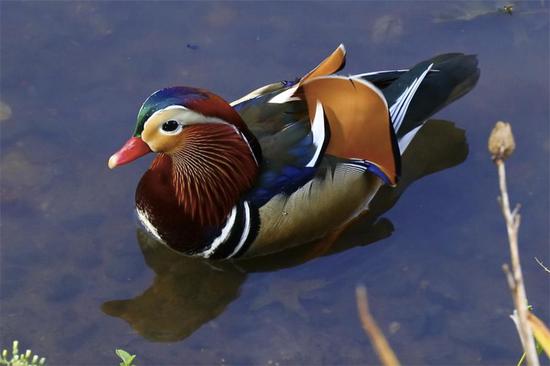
(226, 230)
(246, 230)
(144, 219)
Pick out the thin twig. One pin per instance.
(501, 145)
(379, 342)
(542, 265)
(509, 277)
(515, 277)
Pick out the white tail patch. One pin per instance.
(399, 109)
(406, 140)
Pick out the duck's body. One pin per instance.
(287, 164)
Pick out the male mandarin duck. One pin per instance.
(287, 164)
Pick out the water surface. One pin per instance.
(77, 281)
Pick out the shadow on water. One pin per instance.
(188, 292)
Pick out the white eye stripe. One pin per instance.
(185, 116)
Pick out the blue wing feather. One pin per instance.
(285, 157)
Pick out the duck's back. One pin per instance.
(328, 148)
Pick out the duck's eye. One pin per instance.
(170, 126)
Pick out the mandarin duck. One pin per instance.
(287, 164)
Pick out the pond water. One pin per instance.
(78, 280)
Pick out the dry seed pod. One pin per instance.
(501, 141)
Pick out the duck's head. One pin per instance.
(202, 143)
(170, 119)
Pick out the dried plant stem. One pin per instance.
(542, 265)
(515, 277)
(379, 342)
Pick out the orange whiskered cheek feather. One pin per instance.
(212, 168)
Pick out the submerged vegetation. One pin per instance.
(379, 342)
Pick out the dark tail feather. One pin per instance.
(453, 75)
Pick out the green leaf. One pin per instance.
(126, 358)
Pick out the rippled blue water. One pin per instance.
(77, 283)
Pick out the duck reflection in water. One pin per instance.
(188, 292)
